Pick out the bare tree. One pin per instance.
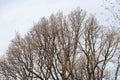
(113, 8)
(63, 47)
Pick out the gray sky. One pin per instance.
(19, 15)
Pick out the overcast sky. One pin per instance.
(19, 15)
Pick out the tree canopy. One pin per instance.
(62, 47)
